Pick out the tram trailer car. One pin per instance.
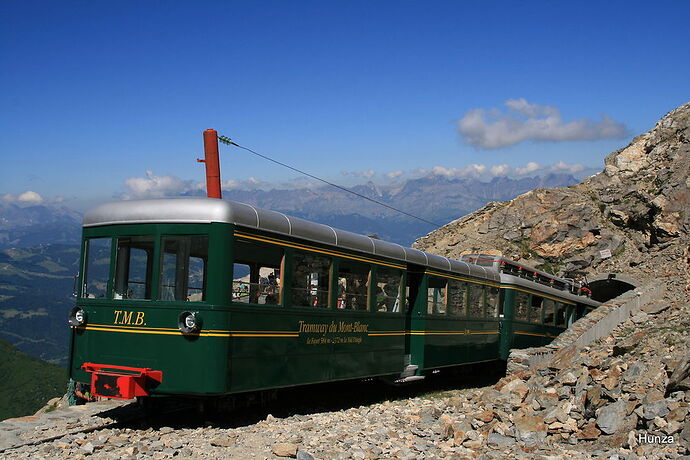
(210, 297)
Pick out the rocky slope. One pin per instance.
(638, 207)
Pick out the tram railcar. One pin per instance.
(210, 297)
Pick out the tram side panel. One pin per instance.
(452, 323)
(532, 318)
(314, 332)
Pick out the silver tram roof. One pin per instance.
(207, 210)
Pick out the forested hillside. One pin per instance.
(27, 383)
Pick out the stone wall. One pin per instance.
(598, 324)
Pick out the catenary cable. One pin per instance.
(227, 141)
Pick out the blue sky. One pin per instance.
(94, 94)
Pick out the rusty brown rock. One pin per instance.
(485, 416)
(589, 432)
(285, 449)
(610, 382)
(597, 375)
(530, 429)
(517, 387)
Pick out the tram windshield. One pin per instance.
(133, 262)
(127, 267)
(96, 268)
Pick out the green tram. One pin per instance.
(210, 297)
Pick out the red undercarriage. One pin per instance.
(121, 382)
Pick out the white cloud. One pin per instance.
(229, 184)
(528, 168)
(486, 172)
(153, 186)
(563, 166)
(299, 183)
(29, 197)
(499, 170)
(394, 174)
(473, 170)
(524, 121)
(250, 183)
(368, 174)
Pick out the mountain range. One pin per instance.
(38, 224)
(435, 198)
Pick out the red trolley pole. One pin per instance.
(212, 164)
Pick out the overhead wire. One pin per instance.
(227, 141)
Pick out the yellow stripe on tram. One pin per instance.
(166, 331)
(533, 334)
(260, 334)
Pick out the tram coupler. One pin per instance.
(121, 382)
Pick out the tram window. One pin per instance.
(492, 304)
(560, 314)
(521, 303)
(457, 292)
(475, 301)
(256, 273)
(353, 286)
(535, 311)
(549, 307)
(134, 260)
(388, 289)
(240, 282)
(183, 268)
(97, 268)
(310, 280)
(436, 296)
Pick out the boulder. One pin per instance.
(499, 440)
(285, 449)
(567, 378)
(612, 418)
(685, 434)
(530, 429)
(680, 376)
(589, 432)
(655, 409)
(516, 387)
(635, 370)
(655, 307)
